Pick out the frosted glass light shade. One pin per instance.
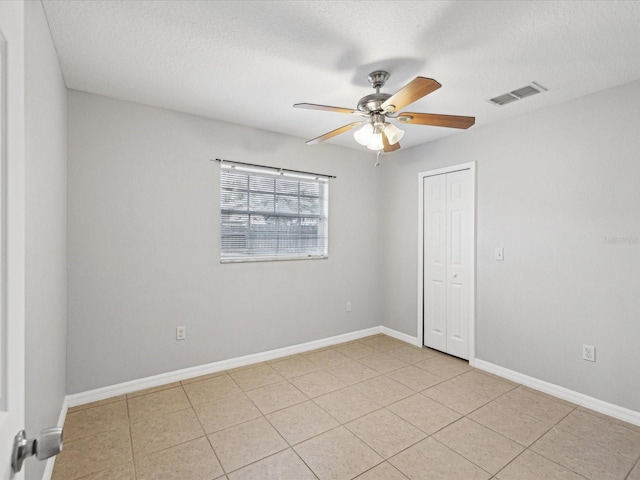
(376, 142)
(394, 134)
(363, 136)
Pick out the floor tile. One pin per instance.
(430, 460)
(352, 372)
(211, 389)
(98, 403)
(285, 465)
(199, 378)
(356, 350)
(327, 358)
(409, 354)
(158, 403)
(384, 390)
(317, 383)
(424, 413)
(256, 377)
(536, 404)
(93, 454)
(337, 454)
(91, 421)
(294, 366)
(512, 423)
(384, 471)
(276, 397)
(486, 448)
(121, 472)
(467, 392)
(248, 366)
(301, 422)
(635, 473)
(226, 412)
(415, 378)
(531, 466)
(194, 460)
(444, 366)
(153, 389)
(245, 443)
(381, 342)
(385, 432)
(383, 363)
(611, 419)
(346, 404)
(157, 433)
(584, 455)
(609, 434)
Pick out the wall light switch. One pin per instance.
(181, 333)
(499, 253)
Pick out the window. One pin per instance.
(270, 214)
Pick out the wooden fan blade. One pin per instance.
(451, 121)
(388, 148)
(333, 133)
(313, 106)
(412, 91)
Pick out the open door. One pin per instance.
(12, 232)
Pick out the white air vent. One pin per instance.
(528, 90)
(504, 99)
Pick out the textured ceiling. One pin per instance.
(248, 62)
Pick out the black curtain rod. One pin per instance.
(275, 168)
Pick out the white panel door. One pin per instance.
(435, 262)
(12, 241)
(447, 310)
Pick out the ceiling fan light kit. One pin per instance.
(377, 133)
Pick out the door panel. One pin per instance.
(435, 259)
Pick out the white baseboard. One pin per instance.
(169, 377)
(48, 469)
(415, 341)
(601, 406)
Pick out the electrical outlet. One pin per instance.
(348, 307)
(589, 353)
(181, 333)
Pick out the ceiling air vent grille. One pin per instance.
(524, 92)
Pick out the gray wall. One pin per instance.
(46, 219)
(551, 186)
(144, 235)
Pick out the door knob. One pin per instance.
(48, 444)
(455, 275)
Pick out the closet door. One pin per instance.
(448, 244)
(435, 262)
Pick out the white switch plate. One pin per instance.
(181, 333)
(348, 307)
(499, 253)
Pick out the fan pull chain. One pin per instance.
(378, 153)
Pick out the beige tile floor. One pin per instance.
(373, 409)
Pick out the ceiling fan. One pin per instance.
(377, 133)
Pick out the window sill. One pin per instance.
(270, 259)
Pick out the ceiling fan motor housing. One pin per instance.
(372, 103)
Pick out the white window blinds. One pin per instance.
(267, 214)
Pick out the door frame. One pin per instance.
(471, 166)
